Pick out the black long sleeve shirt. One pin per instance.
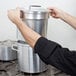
(52, 53)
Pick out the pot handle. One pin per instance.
(14, 47)
(34, 7)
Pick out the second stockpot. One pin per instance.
(36, 18)
(28, 61)
(6, 52)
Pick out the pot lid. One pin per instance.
(34, 12)
(36, 9)
(8, 42)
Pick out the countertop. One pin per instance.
(11, 69)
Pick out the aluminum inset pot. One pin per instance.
(6, 52)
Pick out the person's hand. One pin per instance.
(14, 15)
(55, 13)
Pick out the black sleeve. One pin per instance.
(52, 53)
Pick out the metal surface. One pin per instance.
(35, 12)
(36, 18)
(29, 62)
(40, 26)
(6, 52)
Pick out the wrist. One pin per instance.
(18, 22)
(62, 16)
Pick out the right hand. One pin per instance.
(55, 13)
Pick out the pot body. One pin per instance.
(6, 52)
(29, 62)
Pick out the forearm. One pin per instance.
(53, 54)
(29, 35)
(69, 19)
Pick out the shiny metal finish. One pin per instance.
(6, 52)
(29, 62)
(35, 12)
(40, 26)
(36, 18)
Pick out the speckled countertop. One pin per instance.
(11, 69)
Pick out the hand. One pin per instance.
(55, 13)
(14, 15)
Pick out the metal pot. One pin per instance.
(6, 52)
(28, 61)
(36, 18)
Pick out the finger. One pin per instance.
(21, 14)
(51, 9)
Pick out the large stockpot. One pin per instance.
(36, 18)
(6, 52)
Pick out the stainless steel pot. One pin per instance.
(28, 61)
(36, 18)
(6, 52)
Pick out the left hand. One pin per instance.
(14, 15)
